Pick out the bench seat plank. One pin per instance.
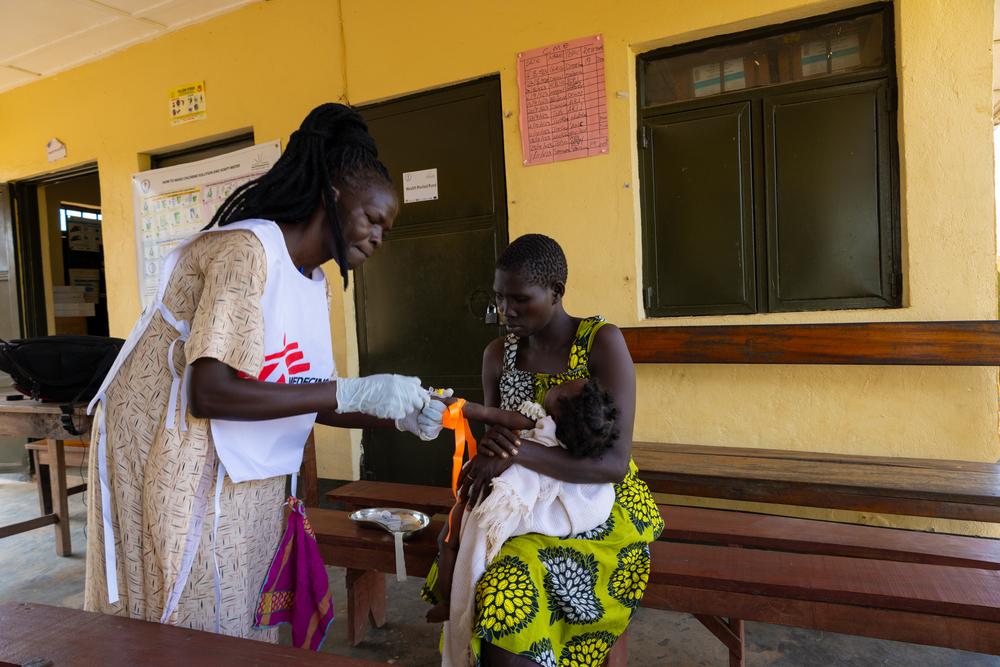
(916, 587)
(779, 533)
(819, 457)
(938, 485)
(972, 495)
(362, 494)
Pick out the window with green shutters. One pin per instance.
(769, 169)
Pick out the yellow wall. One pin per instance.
(267, 64)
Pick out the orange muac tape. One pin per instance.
(454, 419)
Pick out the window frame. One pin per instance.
(762, 205)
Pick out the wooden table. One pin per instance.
(73, 638)
(914, 487)
(33, 419)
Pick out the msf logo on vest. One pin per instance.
(286, 366)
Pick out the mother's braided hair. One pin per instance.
(331, 148)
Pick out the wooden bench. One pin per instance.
(940, 590)
(911, 487)
(784, 581)
(56, 636)
(22, 418)
(748, 529)
(75, 457)
(357, 547)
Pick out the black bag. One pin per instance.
(60, 369)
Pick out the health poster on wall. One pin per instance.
(172, 203)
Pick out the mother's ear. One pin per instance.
(558, 291)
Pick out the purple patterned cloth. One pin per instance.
(296, 589)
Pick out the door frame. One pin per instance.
(8, 273)
(451, 93)
(26, 264)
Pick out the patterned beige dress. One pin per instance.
(154, 473)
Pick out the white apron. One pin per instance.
(297, 349)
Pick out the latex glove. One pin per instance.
(385, 396)
(426, 423)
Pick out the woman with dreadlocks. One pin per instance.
(209, 404)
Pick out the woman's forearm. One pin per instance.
(557, 463)
(218, 393)
(352, 420)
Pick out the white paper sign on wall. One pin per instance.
(420, 185)
(55, 149)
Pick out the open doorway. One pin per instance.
(57, 270)
(59, 254)
(74, 284)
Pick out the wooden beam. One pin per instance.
(365, 602)
(30, 524)
(308, 477)
(724, 632)
(60, 499)
(972, 343)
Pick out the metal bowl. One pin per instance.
(393, 519)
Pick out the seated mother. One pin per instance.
(549, 600)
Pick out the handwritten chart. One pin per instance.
(564, 107)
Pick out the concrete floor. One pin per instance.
(32, 572)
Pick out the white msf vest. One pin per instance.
(297, 349)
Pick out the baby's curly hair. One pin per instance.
(586, 424)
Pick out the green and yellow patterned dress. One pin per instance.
(563, 601)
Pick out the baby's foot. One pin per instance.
(439, 613)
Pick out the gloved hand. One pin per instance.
(385, 396)
(426, 423)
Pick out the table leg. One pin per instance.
(42, 484)
(60, 500)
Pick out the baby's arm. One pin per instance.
(515, 421)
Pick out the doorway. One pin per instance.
(59, 254)
(422, 299)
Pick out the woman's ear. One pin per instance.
(336, 192)
(558, 291)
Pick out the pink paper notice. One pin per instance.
(564, 107)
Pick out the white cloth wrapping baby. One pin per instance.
(522, 501)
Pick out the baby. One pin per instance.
(578, 416)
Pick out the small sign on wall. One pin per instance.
(420, 185)
(55, 149)
(187, 103)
